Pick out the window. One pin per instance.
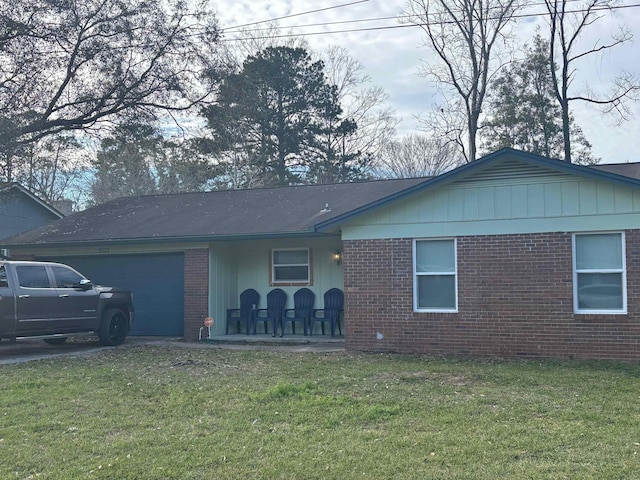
(32, 276)
(435, 278)
(290, 266)
(599, 276)
(66, 278)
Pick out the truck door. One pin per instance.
(7, 306)
(37, 302)
(78, 305)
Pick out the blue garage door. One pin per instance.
(157, 283)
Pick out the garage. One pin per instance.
(156, 280)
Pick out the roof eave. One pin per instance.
(165, 240)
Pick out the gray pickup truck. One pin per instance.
(53, 301)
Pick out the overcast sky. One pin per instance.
(392, 55)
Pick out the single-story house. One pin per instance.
(513, 255)
(21, 210)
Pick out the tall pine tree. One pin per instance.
(273, 118)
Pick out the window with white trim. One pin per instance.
(599, 273)
(435, 287)
(290, 266)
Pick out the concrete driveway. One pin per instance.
(27, 350)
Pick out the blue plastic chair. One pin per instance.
(249, 300)
(333, 307)
(302, 310)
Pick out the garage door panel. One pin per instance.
(156, 281)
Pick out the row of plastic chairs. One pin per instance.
(303, 312)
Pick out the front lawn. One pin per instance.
(150, 412)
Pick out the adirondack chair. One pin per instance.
(333, 305)
(302, 310)
(276, 301)
(249, 300)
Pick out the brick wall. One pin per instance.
(196, 291)
(515, 299)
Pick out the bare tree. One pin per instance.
(246, 41)
(464, 35)
(416, 155)
(447, 121)
(68, 66)
(567, 25)
(362, 103)
(54, 168)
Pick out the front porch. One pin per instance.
(216, 276)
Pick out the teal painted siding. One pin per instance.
(223, 285)
(511, 197)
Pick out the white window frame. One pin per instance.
(417, 274)
(273, 280)
(622, 270)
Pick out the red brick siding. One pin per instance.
(515, 299)
(196, 291)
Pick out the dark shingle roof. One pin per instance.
(269, 212)
(223, 214)
(626, 169)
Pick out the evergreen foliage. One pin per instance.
(524, 113)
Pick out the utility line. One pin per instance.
(393, 27)
(297, 14)
(341, 22)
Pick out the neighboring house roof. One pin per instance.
(262, 213)
(626, 169)
(8, 187)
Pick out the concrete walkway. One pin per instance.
(317, 344)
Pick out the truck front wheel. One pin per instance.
(114, 327)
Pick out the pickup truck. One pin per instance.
(53, 301)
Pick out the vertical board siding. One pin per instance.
(552, 200)
(570, 198)
(623, 200)
(507, 192)
(606, 197)
(588, 198)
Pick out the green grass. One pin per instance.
(180, 413)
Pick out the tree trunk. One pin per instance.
(566, 135)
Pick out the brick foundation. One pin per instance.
(515, 299)
(196, 291)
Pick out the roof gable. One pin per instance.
(16, 188)
(506, 165)
(21, 211)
